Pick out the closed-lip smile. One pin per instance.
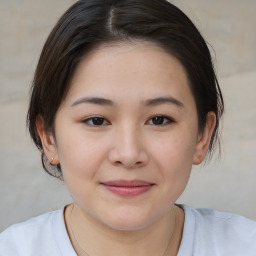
(128, 188)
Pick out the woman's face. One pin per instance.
(127, 135)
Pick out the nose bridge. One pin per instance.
(128, 148)
(129, 140)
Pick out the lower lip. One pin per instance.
(128, 191)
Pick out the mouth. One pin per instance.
(128, 188)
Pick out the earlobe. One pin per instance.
(48, 142)
(204, 139)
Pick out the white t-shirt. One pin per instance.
(206, 233)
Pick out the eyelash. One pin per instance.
(103, 122)
(89, 121)
(167, 120)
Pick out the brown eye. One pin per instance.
(96, 121)
(159, 120)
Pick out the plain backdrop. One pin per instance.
(228, 184)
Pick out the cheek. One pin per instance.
(80, 154)
(174, 156)
(80, 158)
(177, 148)
(176, 168)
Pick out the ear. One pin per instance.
(48, 142)
(204, 139)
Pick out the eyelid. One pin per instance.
(87, 120)
(170, 120)
(90, 118)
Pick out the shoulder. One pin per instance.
(225, 224)
(224, 233)
(29, 237)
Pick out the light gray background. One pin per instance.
(227, 185)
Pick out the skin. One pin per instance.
(127, 143)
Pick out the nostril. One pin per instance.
(134, 165)
(118, 162)
(127, 158)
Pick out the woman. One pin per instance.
(124, 101)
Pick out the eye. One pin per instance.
(96, 121)
(160, 120)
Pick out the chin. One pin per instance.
(128, 221)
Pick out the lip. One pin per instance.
(127, 188)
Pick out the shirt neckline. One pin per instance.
(61, 234)
(65, 246)
(187, 241)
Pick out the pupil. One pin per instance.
(158, 120)
(97, 121)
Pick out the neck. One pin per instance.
(87, 234)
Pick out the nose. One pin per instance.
(128, 149)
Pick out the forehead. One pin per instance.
(139, 70)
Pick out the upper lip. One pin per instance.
(127, 183)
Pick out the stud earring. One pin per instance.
(52, 159)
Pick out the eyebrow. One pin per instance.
(163, 100)
(149, 102)
(93, 100)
